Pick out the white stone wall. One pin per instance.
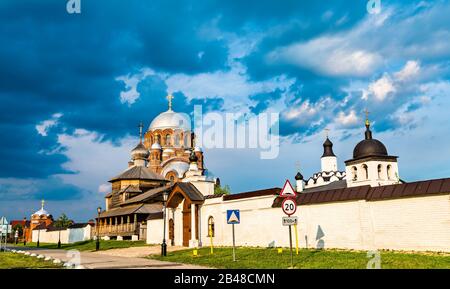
(67, 236)
(420, 223)
(50, 237)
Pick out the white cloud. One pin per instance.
(329, 55)
(93, 161)
(382, 87)
(104, 188)
(130, 95)
(410, 70)
(43, 127)
(347, 119)
(233, 86)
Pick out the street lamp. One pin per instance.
(24, 231)
(164, 245)
(39, 233)
(97, 243)
(59, 238)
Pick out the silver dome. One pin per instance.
(171, 119)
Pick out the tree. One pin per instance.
(63, 221)
(18, 227)
(219, 190)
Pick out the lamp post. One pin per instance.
(24, 231)
(97, 243)
(164, 245)
(59, 238)
(39, 233)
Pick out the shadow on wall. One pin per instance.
(319, 235)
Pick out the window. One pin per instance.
(389, 172)
(177, 140)
(379, 172)
(210, 227)
(354, 173)
(365, 171)
(168, 140)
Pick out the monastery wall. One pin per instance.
(418, 224)
(68, 236)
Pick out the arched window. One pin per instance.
(177, 140)
(365, 171)
(379, 172)
(354, 173)
(389, 172)
(210, 226)
(168, 140)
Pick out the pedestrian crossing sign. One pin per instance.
(233, 217)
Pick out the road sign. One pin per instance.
(289, 206)
(233, 217)
(288, 221)
(287, 190)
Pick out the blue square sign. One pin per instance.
(233, 217)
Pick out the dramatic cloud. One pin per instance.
(45, 125)
(74, 87)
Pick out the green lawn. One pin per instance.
(333, 259)
(89, 245)
(19, 261)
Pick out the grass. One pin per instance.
(19, 261)
(89, 245)
(261, 258)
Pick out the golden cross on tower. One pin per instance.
(42, 204)
(366, 111)
(141, 125)
(170, 98)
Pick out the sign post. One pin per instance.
(233, 217)
(289, 207)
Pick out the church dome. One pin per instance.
(156, 146)
(41, 212)
(139, 152)
(171, 119)
(328, 148)
(369, 146)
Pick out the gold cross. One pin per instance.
(366, 111)
(169, 98)
(42, 202)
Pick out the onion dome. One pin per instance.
(369, 146)
(156, 146)
(328, 148)
(193, 158)
(197, 149)
(41, 211)
(298, 176)
(171, 119)
(139, 152)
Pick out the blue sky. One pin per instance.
(73, 87)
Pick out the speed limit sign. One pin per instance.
(289, 206)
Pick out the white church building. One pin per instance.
(365, 206)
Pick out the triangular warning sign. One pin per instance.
(287, 190)
(233, 218)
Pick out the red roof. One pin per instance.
(414, 189)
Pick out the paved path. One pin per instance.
(99, 260)
(138, 251)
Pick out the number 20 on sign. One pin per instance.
(289, 206)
